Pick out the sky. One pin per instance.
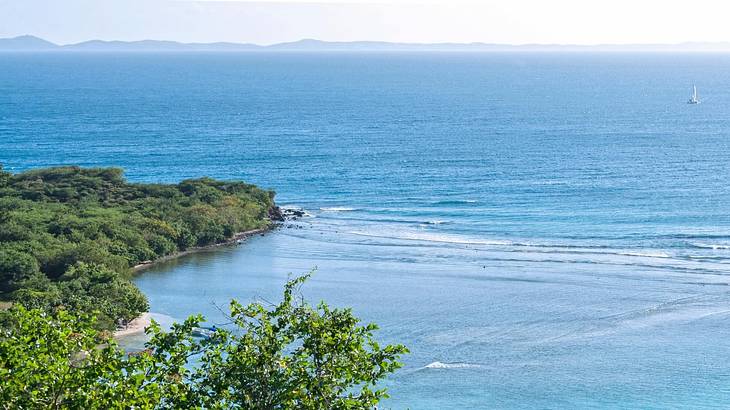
(415, 21)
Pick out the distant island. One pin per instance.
(70, 236)
(29, 43)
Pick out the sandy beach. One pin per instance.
(137, 325)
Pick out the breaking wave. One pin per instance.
(710, 245)
(441, 365)
(436, 222)
(644, 254)
(455, 202)
(337, 209)
(417, 236)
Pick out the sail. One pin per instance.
(694, 99)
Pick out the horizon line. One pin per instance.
(681, 46)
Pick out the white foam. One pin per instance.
(645, 254)
(426, 237)
(422, 235)
(441, 365)
(710, 245)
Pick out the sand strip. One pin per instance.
(137, 325)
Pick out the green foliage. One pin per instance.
(4, 177)
(296, 356)
(51, 220)
(287, 356)
(96, 288)
(16, 267)
(71, 365)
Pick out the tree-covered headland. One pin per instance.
(69, 236)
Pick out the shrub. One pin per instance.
(16, 267)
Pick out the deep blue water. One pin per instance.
(542, 231)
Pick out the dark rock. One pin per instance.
(275, 214)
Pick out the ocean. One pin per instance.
(541, 230)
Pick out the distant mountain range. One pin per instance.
(35, 44)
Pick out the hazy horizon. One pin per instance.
(305, 39)
(570, 22)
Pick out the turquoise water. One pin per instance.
(542, 231)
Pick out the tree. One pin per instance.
(61, 361)
(296, 356)
(96, 288)
(287, 356)
(4, 176)
(15, 267)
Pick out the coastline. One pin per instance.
(137, 325)
(140, 323)
(235, 239)
(143, 321)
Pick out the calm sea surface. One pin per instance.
(542, 231)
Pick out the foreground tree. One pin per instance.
(288, 356)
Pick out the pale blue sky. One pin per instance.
(265, 22)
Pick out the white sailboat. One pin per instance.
(694, 99)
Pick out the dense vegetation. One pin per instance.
(287, 356)
(68, 236)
